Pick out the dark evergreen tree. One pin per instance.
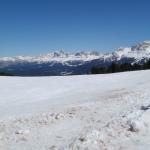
(114, 67)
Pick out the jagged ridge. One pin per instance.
(62, 63)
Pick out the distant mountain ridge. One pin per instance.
(65, 63)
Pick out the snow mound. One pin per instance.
(140, 122)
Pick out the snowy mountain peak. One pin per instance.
(140, 50)
(60, 62)
(123, 50)
(147, 42)
(144, 46)
(67, 56)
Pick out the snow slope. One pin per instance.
(94, 112)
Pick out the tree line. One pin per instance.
(114, 67)
(5, 74)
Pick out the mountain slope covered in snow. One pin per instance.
(93, 112)
(62, 63)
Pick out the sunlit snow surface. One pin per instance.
(94, 112)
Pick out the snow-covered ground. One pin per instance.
(89, 112)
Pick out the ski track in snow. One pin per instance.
(111, 113)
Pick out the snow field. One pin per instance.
(95, 112)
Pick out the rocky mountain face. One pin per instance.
(62, 63)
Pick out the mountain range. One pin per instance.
(67, 63)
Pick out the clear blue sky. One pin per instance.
(38, 26)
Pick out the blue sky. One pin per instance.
(31, 27)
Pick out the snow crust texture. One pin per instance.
(89, 112)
